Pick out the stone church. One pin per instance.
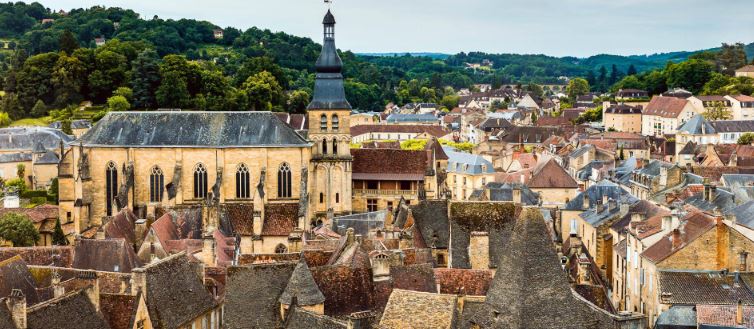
(147, 161)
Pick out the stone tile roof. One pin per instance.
(255, 287)
(112, 255)
(118, 310)
(6, 318)
(414, 277)
(175, 293)
(62, 312)
(41, 256)
(411, 309)
(346, 289)
(530, 290)
(300, 318)
(14, 274)
(692, 226)
(470, 282)
(436, 131)
(280, 219)
(666, 107)
(431, 222)
(388, 164)
(495, 218)
(302, 286)
(702, 287)
(241, 217)
(37, 214)
(192, 129)
(552, 175)
(381, 145)
(724, 316)
(526, 134)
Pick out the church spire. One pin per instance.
(328, 86)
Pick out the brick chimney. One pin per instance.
(584, 202)
(359, 320)
(638, 217)
(676, 239)
(612, 205)
(380, 267)
(350, 236)
(16, 303)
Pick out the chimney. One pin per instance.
(584, 275)
(600, 208)
(57, 289)
(92, 291)
(742, 263)
(707, 188)
(140, 228)
(624, 208)
(380, 267)
(712, 192)
(522, 177)
(516, 195)
(350, 238)
(208, 250)
(359, 320)
(676, 239)
(667, 223)
(585, 202)
(479, 251)
(605, 199)
(612, 205)
(16, 303)
(739, 313)
(139, 282)
(638, 217)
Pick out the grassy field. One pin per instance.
(44, 122)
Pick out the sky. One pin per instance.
(553, 27)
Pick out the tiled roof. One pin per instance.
(37, 214)
(465, 163)
(255, 287)
(527, 134)
(411, 309)
(302, 286)
(112, 255)
(280, 219)
(702, 287)
(692, 226)
(14, 274)
(746, 68)
(433, 130)
(192, 129)
(552, 175)
(375, 164)
(73, 308)
(724, 316)
(469, 282)
(667, 107)
(118, 310)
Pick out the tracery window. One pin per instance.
(284, 181)
(200, 181)
(156, 184)
(243, 189)
(111, 186)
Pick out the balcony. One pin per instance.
(376, 192)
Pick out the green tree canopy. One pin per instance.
(68, 42)
(262, 91)
(577, 87)
(746, 139)
(145, 79)
(18, 229)
(118, 103)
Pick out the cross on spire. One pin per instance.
(329, 3)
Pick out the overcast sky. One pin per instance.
(553, 27)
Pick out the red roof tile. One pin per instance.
(692, 227)
(552, 175)
(388, 164)
(280, 219)
(666, 107)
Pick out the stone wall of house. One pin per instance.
(556, 196)
(479, 251)
(700, 254)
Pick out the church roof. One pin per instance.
(192, 129)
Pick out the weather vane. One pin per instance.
(329, 3)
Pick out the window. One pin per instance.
(390, 205)
(372, 185)
(323, 123)
(200, 182)
(337, 197)
(335, 146)
(156, 184)
(335, 122)
(68, 217)
(281, 249)
(371, 205)
(111, 185)
(284, 181)
(324, 146)
(243, 189)
(321, 197)
(405, 185)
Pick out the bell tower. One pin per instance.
(329, 130)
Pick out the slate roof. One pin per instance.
(302, 286)
(14, 274)
(328, 84)
(744, 214)
(698, 125)
(731, 126)
(388, 164)
(112, 255)
(530, 289)
(666, 107)
(49, 157)
(25, 138)
(192, 129)
(15, 157)
(62, 312)
(411, 309)
(677, 316)
(436, 131)
(255, 287)
(418, 118)
(175, 292)
(552, 175)
(75, 124)
(702, 287)
(595, 194)
(465, 163)
(722, 200)
(504, 192)
(431, 222)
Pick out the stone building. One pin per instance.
(37, 149)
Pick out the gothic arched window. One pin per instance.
(323, 123)
(324, 146)
(156, 184)
(284, 181)
(111, 186)
(335, 146)
(243, 191)
(281, 249)
(335, 122)
(200, 182)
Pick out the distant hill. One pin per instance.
(430, 55)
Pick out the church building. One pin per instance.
(152, 161)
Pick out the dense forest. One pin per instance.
(51, 60)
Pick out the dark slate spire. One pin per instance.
(328, 86)
(302, 286)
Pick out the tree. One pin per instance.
(4, 119)
(621, 154)
(11, 105)
(615, 74)
(449, 101)
(535, 89)
(18, 229)
(68, 79)
(262, 91)
(691, 74)
(258, 65)
(58, 237)
(17, 184)
(298, 101)
(65, 126)
(68, 42)
(39, 109)
(730, 58)
(631, 70)
(577, 87)
(414, 144)
(145, 79)
(125, 92)
(629, 82)
(118, 103)
(109, 74)
(21, 170)
(718, 112)
(746, 139)
(173, 91)
(533, 117)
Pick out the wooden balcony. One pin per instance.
(377, 193)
